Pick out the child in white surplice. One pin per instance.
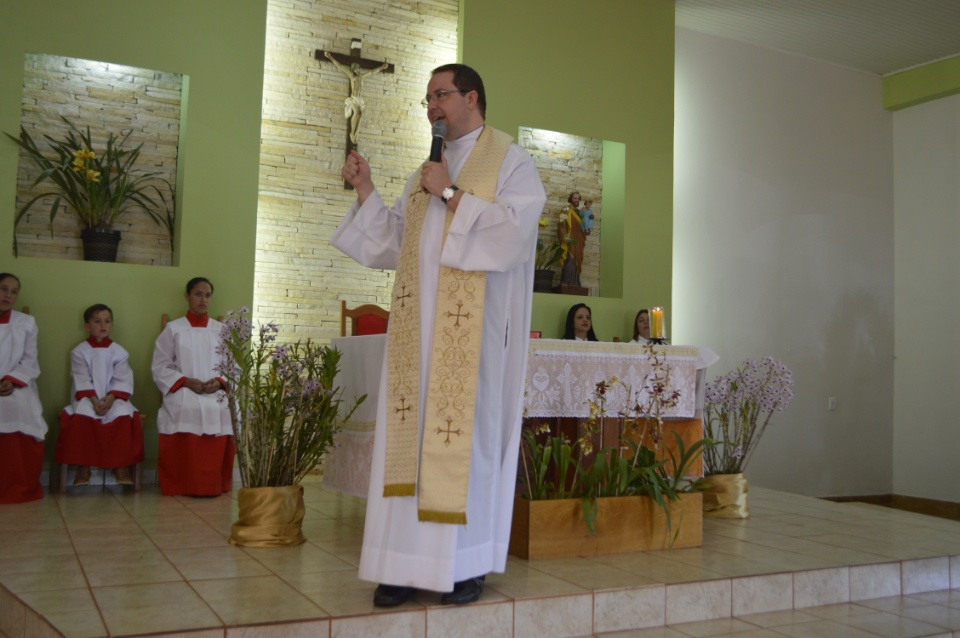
(100, 427)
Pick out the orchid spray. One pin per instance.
(739, 406)
(284, 406)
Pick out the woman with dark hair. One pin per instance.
(579, 324)
(22, 428)
(196, 435)
(641, 327)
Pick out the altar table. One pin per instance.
(561, 377)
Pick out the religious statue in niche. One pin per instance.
(572, 237)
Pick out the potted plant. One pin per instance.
(633, 496)
(739, 406)
(285, 411)
(97, 187)
(548, 255)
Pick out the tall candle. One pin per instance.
(656, 322)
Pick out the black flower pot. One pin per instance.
(100, 244)
(542, 280)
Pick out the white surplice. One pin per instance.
(102, 370)
(21, 410)
(500, 239)
(185, 351)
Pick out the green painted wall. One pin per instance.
(916, 86)
(219, 44)
(602, 70)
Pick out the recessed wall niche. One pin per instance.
(107, 98)
(568, 163)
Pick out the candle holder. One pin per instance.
(659, 341)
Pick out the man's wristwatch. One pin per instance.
(448, 193)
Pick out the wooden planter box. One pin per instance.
(555, 528)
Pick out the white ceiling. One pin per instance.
(877, 36)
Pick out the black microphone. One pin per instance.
(439, 130)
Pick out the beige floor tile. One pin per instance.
(778, 618)
(303, 559)
(73, 612)
(100, 540)
(560, 616)
(629, 609)
(51, 542)
(239, 601)
(652, 632)
(406, 624)
(939, 615)
(893, 625)
(470, 621)
(692, 602)
(823, 629)
(205, 563)
(154, 608)
(719, 627)
(127, 568)
(308, 629)
(199, 537)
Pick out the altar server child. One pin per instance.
(196, 435)
(22, 428)
(100, 427)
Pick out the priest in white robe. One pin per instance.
(404, 549)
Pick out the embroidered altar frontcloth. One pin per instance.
(562, 376)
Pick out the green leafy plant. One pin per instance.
(639, 465)
(97, 187)
(284, 406)
(548, 255)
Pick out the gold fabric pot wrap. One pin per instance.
(726, 497)
(269, 517)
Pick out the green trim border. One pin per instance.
(922, 84)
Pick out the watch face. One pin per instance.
(448, 192)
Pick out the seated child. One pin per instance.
(22, 428)
(586, 215)
(100, 427)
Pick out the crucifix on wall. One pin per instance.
(355, 68)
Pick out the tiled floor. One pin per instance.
(115, 563)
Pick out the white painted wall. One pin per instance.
(927, 252)
(783, 246)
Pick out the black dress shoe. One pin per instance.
(392, 595)
(464, 592)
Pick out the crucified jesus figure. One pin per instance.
(353, 105)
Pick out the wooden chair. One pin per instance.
(368, 319)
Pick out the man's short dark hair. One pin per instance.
(466, 79)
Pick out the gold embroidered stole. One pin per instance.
(454, 357)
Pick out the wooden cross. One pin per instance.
(403, 409)
(356, 68)
(448, 431)
(402, 298)
(458, 315)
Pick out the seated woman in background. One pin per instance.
(196, 436)
(22, 428)
(579, 324)
(641, 327)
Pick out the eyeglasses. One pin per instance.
(439, 95)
